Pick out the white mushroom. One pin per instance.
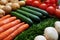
(50, 33)
(40, 37)
(2, 13)
(7, 9)
(15, 6)
(57, 26)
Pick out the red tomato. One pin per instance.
(36, 3)
(57, 14)
(29, 2)
(51, 10)
(43, 6)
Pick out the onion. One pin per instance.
(22, 3)
(15, 6)
(40, 37)
(7, 9)
(50, 33)
(57, 26)
(2, 13)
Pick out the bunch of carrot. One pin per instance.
(10, 27)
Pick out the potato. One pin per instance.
(2, 13)
(1, 6)
(13, 1)
(22, 3)
(15, 6)
(7, 9)
(8, 4)
(3, 2)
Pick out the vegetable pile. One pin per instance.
(10, 27)
(30, 14)
(51, 6)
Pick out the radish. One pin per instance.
(50, 33)
(40, 37)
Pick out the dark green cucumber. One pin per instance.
(39, 10)
(32, 11)
(27, 14)
(22, 17)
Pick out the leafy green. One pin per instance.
(36, 29)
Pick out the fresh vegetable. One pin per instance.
(9, 31)
(57, 13)
(40, 37)
(9, 4)
(7, 20)
(13, 1)
(33, 17)
(2, 13)
(7, 9)
(3, 1)
(57, 26)
(51, 10)
(36, 3)
(15, 6)
(51, 33)
(5, 17)
(22, 17)
(16, 32)
(32, 12)
(1, 6)
(7, 26)
(43, 6)
(39, 10)
(21, 3)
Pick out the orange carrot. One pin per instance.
(7, 26)
(7, 20)
(4, 17)
(9, 31)
(16, 32)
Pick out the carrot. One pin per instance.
(4, 17)
(9, 31)
(7, 20)
(7, 26)
(16, 32)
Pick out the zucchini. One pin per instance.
(32, 11)
(22, 17)
(39, 10)
(31, 16)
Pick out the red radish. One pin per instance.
(9, 31)
(43, 6)
(16, 32)
(7, 20)
(51, 10)
(9, 25)
(4, 17)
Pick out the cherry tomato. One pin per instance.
(57, 14)
(29, 2)
(43, 6)
(36, 3)
(51, 10)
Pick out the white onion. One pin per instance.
(50, 33)
(40, 37)
(57, 26)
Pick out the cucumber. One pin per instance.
(22, 17)
(31, 16)
(32, 11)
(39, 10)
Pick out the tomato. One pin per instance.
(29, 2)
(43, 6)
(57, 13)
(51, 10)
(36, 3)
